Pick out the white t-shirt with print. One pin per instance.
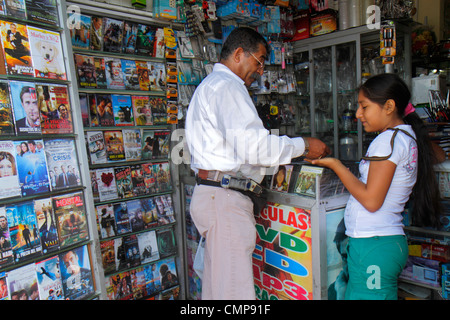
(387, 220)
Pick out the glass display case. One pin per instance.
(328, 71)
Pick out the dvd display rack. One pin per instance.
(46, 245)
(124, 68)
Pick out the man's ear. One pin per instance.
(238, 54)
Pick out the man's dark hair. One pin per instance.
(245, 38)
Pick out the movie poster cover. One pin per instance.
(114, 73)
(70, 214)
(100, 73)
(47, 54)
(76, 274)
(142, 110)
(157, 75)
(94, 185)
(283, 253)
(114, 145)
(149, 178)
(54, 108)
(80, 34)
(165, 209)
(133, 258)
(166, 242)
(155, 144)
(32, 167)
(63, 163)
(306, 181)
(152, 279)
(138, 283)
(123, 110)
(132, 144)
(6, 112)
(149, 213)
(120, 254)
(106, 220)
(135, 215)
(129, 37)
(168, 273)
(44, 11)
(6, 252)
(92, 110)
(137, 179)
(16, 8)
(85, 66)
(16, 49)
(281, 179)
(123, 182)
(148, 246)
(106, 183)
(96, 33)
(145, 40)
(142, 70)
(160, 46)
(113, 34)
(23, 231)
(104, 110)
(9, 178)
(122, 218)
(96, 146)
(4, 294)
(47, 224)
(163, 179)
(130, 75)
(49, 279)
(23, 284)
(26, 109)
(108, 256)
(84, 108)
(159, 110)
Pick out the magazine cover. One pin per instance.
(47, 225)
(165, 209)
(133, 257)
(85, 67)
(104, 109)
(148, 247)
(22, 283)
(76, 274)
(166, 242)
(145, 40)
(63, 166)
(281, 179)
(49, 279)
(6, 112)
(168, 273)
(70, 214)
(6, 253)
(159, 110)
(96, 33)
(123, 110)
(113, 33)
(142, 71)
(47, 54)
(108, 256)
(4, 294)
(122, 219)
(44, 11)
(163, 179)
(23, 231)
(132, 144)
(106, 184)
(114, 73)
(9, 178)
(16, 49)
(157, 75)
(32, 167)
(135, 215)
(16, 8)
(80, 33)
(84, 108)
(123, 182)
(106, 220)
(149, 213)
(142, 110)
(96, 146)
(54, 108)
(129, 37)
(114, 145)
(130, 75)
(26, 108)
(152, 279)
(155, 144)
(100, 73)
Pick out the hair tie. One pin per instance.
(409, 108)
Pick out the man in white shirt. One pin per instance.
(225, 136)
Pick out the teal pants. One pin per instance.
(374, 265)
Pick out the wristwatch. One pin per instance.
(306, 148)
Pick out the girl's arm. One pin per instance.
(372, 194)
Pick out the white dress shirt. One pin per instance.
(225, 133)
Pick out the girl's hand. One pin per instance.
(327, 162)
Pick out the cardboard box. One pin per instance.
(323, 23)
(301, 22)
(421, 85)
